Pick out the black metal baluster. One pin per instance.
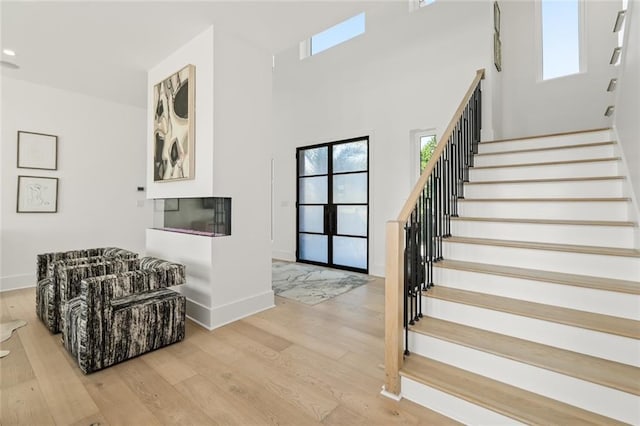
(405, 319)
(430, 221)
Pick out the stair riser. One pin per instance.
(579, 153)
(547, 142)
(567, 296)
(619, 267)
(451, 406)
(603, 345)
(560, 210)
(572, 170)
(590, 235)
(571, 189)
(586, 395)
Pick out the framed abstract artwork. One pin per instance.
(37, 151)
(37, 194)
(174, 126)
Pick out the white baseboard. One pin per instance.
(221, 315)
(217, 316)
(199, 314)
(16, 282)
(283, 255)
(390, 395)
(377, 270)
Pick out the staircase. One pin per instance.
(535, 313)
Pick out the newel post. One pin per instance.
(393, 307)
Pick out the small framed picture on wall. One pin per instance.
(37, 151)
(37, 194)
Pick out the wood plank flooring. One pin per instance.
(290, 365)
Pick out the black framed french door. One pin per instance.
(332, 225)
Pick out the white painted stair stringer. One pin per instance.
(589, 396)
(603, 345)
(560, 233)
(546, 141)
(546, 209)
(611, 303)
(539, 156)
(592, 188)
(599, 167)
(452, 406)
(597, 265)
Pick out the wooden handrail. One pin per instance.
(437, 152)
(395, 297)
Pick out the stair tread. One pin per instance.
(546, 180)
(607, 251)
(548, 135)
(546, 221)
(549, 163)
(606, 284)
(572, 317)
(510, 401)
(612, 374)
(550, 148)
(593, 199)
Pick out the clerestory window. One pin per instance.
(338, 34)
(561, 22)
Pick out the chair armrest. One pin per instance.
(175, 272)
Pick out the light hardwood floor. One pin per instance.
(291, 365)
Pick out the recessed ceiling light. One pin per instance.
(8, 52)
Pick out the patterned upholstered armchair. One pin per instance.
(68, 277)
(47, 291)
(120, 316)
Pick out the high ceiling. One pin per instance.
(104, 48)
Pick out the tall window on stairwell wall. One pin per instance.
(562, 26)
(423, 144)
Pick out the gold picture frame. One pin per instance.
(497, 51)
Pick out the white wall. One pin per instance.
(570, 103)
(233, 146)
(99, 167)
(627, 113)
(408, 71)
(242, 170)
(198, 52)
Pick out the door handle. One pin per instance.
(327, 220)
(332, 220)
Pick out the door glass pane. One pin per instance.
(313, 247)
(313, 190)
(348, 189)
(350, 251)
(352, 220)
(311, 218)
(313, 161)
(350, 157)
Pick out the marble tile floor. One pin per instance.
(312, 284)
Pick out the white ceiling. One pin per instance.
(104, 48)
